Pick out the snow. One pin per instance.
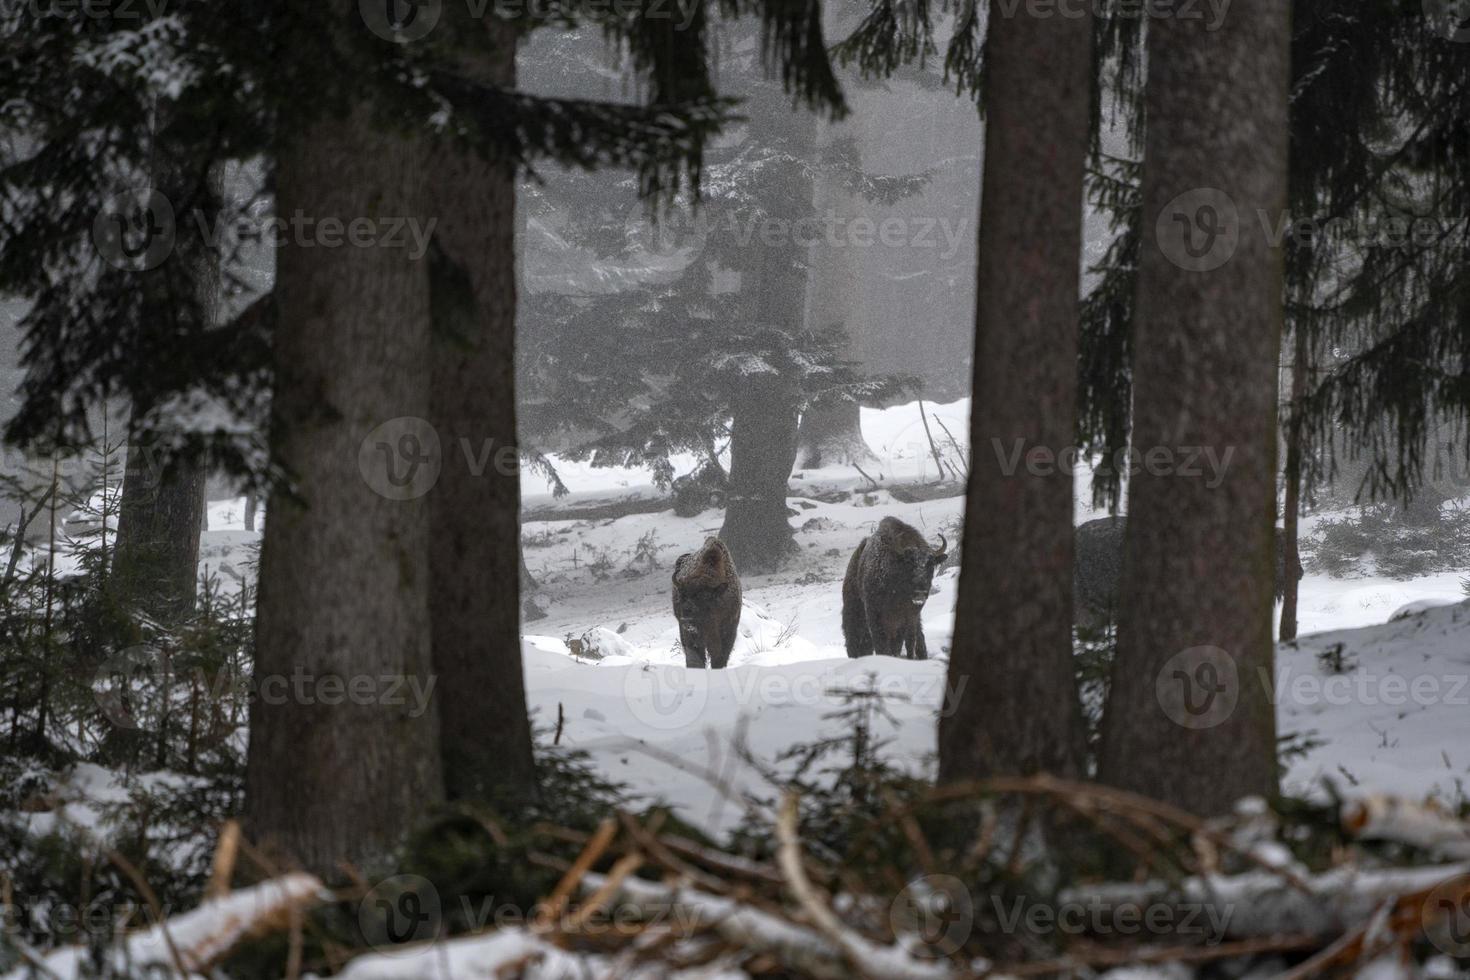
(670, 733)
(195, 938)
(1396, 721)
(1368, 704)
(499, 953)
(1372, 697)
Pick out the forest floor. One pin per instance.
(1365, 704)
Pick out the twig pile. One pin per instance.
(635, 899)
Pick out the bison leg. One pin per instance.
(911, 639)
(884, 643)
(693, 649)
(720, 646)
(855, 629)
(916, 641)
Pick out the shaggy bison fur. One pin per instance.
(888, 581)
(1098, 564)
(707, 604)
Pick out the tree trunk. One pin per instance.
(762, 452)
(344, 574)
(156, 563)
(1190, 717)
(831, 434)
(164, 509)
(766, 409)
(1012, 706)
(474, 554)
(1292, 505)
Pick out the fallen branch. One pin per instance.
(1260, 904)
(748, 929)
(1103, 957)
(867, 958)
(194, 941)
(1392, 818)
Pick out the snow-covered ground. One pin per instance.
(1389, 712)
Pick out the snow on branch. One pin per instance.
(190, 943)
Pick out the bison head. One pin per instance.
(693, 604)
(920, 566)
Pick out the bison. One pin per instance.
(707, 604)
(1098, 567)
(887, 583)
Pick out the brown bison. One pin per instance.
(707, 604)
(888, 581)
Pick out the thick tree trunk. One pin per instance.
(762, 452)
(164, 508)
(1190, 717)
(1012, 706)
(831, 434)
(156, 562)
(765, 409)
(344, 573)
(474, 554)
(831, 431)
(1292, 504)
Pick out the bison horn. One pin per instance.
(943, 545)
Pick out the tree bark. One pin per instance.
(765, 409)
(344, 573)
(474, 555)
(1292, 504)
(156, 562)
(762, 452)
(1012, 705)
(164, 508)
(831, 434)
(1190, 717)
